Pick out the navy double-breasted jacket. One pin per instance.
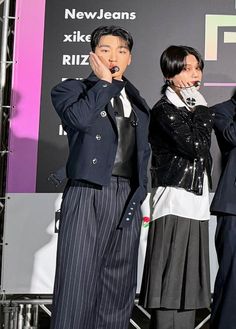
(224, 200)
(88, 118)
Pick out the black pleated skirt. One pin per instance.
(176, 271)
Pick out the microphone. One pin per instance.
(114, 69)
(171, 83)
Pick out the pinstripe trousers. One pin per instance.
(96, 269)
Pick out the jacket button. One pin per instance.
(98, 137)
(105, 85)
(94, 161)
(127, 219)
(103, 114)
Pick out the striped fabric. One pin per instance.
(95, 280)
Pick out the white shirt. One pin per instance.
(126, 103)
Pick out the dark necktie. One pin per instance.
(118, 106)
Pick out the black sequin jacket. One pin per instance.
(180, 142)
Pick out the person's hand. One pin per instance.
(99, 68)
(192, 97)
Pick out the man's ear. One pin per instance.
(130, 59)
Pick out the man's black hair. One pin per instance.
(172, 60)
(111, 30)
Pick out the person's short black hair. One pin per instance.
(110, 30)
(172, 60)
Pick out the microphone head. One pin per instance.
(115, 69)
(197, 84)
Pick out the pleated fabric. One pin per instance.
(172, 319)
(176, 272)
(96, 271)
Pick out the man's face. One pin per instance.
(190, 74)
(113, 51)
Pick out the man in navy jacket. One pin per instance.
(223, 315)
(95, 281)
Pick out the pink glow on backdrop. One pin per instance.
(26, 94)
(219, 84)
